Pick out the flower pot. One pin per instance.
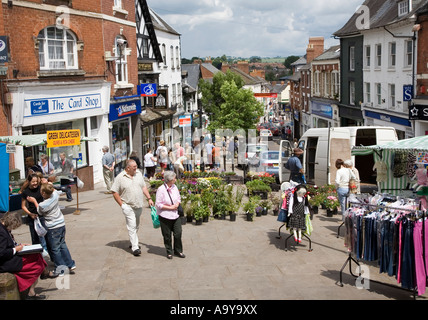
(205, 219)
(232, 216)
(262, 194)
(265, 211)
(331, 212)
(259, 213)
(189, 218)
(315, 210)
(199, 221)
(249, 216)
(275, 212)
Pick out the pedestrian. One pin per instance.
(150, 163)
(27, 268)
(31, 188)
(128, 190)
(209, 149)
(47, 166)
(108, 168)
(67, 169)
(179, 166)
(171, 160)
(31, 166)
(179, 150)
(162, 156)
(188, 153)
(55, 225)
(350, 165)
(343, 175)
(133, 156)
(167, 201)
(294, 164)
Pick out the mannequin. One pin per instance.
(421, 177)
(298, 208)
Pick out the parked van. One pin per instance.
(323, 146)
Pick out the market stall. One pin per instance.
(400, 165)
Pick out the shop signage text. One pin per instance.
(124, 110)
(41, 107)
(63, 138)
(418, 112)
(185, 121)
(4, 51)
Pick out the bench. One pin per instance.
(9, 287)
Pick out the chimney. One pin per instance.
(244, 66)
(315, 48)
(224, 67)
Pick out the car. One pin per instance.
(276, 131)
(266, 133)
(269, 163)
(252, 155)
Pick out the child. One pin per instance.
(55, 224)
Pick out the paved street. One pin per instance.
(225, 260)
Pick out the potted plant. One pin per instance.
(220, 204)
(207, 198)
(250, 207)
(258, 187)
(331, 204)
(200, 212)
(316, 200)
(276, 202)
(266, 205)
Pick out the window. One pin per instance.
(368, 93)
(145, 47)
(351, 93)
(57, 49)
(317, 82)
(164, 54)
(118, 3)
(379, 93)
(335, 83)
(392, 96)
(327, 76)
(351, 58)
(122, 61)
(172, 57)
(367, 55)
(378, 55)
(392, 54)
(403, 8)
(177, 57)
(408, 53)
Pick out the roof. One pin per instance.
(329, 54)
(300, 61)
(160, 24)
(248, 80)
(382, 13)
(193, 74)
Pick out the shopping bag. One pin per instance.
(155, 218)
(282, 216)
(40, 230)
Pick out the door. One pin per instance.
(285, 151)
(311, 159)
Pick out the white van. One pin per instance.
(325, 145)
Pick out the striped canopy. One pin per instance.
(413, 144)
(32, 140)
(386, 153)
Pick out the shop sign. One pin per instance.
(388, 118)
(185, 121)
(3, 50)
(148, 90)
(407, 93)
(323, 110)
(266, 95)
(123, 110)
(63, 138)
(50, 106)
(418, 112)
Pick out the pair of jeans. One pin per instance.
(169, 227)
(132, 217)
(59, 250)
(407, 263)
(342, 194)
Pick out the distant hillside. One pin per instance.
(273, 60)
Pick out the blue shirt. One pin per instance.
(108, 159)
(294, 164)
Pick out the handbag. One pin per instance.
(155, 218)
(179, 209)
(352, 184)
(282, 216)
(40, 230)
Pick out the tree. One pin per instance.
(228, 104)
(289, 60)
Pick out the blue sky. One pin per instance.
(248, 28)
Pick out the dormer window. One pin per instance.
(403, 8)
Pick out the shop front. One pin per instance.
(324, 114)
(402, 125)
(121, 113)
(38, 108)
(418, 113)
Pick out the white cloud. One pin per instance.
(253, 28)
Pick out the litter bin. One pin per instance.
(14, 174)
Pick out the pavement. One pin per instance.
(225, 260)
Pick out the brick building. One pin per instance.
(72, 64)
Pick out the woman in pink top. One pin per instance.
(167, 201)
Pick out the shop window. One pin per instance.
(57, 49)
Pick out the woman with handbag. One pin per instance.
(343, 177)
(168, 204)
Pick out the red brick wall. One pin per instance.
(422, 63)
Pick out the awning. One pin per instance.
(32, 140)
(414, 144)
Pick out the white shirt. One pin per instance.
(148, 162)
(343, 176)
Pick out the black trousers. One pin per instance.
(169, 228)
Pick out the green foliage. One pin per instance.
(257, 185)
(251, 204)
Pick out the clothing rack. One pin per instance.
(350, 258)
(291, 235)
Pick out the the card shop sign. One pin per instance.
(124, 110)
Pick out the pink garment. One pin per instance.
(420, 269)
(162, 198)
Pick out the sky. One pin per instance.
(246, 28)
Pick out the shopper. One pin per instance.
(343, 175)
(162, 155)
(295, 166)
(108, 168)
(167, 201)
(128, 191)
(46, 165)
(150, 163)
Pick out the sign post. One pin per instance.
(66, 138)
